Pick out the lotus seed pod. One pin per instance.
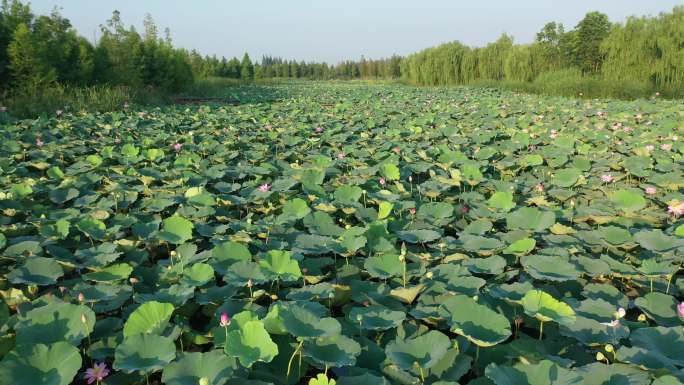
(642, 318)
(609, 348)
(203, 381)
(600, 356)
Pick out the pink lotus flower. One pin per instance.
(225, 320)
(650, 190)
(97, 373)
(396, 149)
(676, 209)
(39, 142)
(650, 147)
(680, 309)
(177, 146)
(81, 297)
(412, 211)
(341, 155)
(319, 130)
(382, 181)
(666, 146)
(606, 178)
(264, 187)
(465, 209)
(539, 187)
(621, 312)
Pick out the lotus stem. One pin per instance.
(422, 375)
(289, 364)
(541, 329)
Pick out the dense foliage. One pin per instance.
(644, 50)
(349, 234)
(38, 52)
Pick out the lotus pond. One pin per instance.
(349, 234)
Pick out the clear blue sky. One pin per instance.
(326, 30)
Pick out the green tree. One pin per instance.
(246, 68)
(591, 31)
(25, 61)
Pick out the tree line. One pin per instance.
(648, 50)
(40, 50)
(36, 51)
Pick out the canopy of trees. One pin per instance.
(644, 49)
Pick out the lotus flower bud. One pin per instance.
(224, 320)
(81, 297)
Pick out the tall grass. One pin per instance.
(28, 103)
(572, 83)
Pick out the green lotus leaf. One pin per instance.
(321, 379)
(543, 373)
(62, 195)
(667, 380)
(21, 190)
(250, 344)
(531, 160)
(655, 348)
(94, 228)
(384, 209)
(679, 231)
(530, 218)
(566, 177)
(294, 209)
(280, 265)
(39, 364)
(149, 318)
(241, 273)
(383, 266)
(613, 374)
(656, 240)
(303, 321)
(130, 151)
(335, 351)
(348, 194)
(592, 332)
(628, 200)
(176, 230)
(191, 368)
(144, 353)
(38, 271)
(545, 308)
(521, 246)
(54, 322)
(549, 268)
(418, 236)
(363, 379)
(660, 307)
(478, 323)
(115, 272)
(501, 200)
(390, 171)
(198, 274)
(425, 350)
(492, 265)
(376, 317)
(616, 235)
